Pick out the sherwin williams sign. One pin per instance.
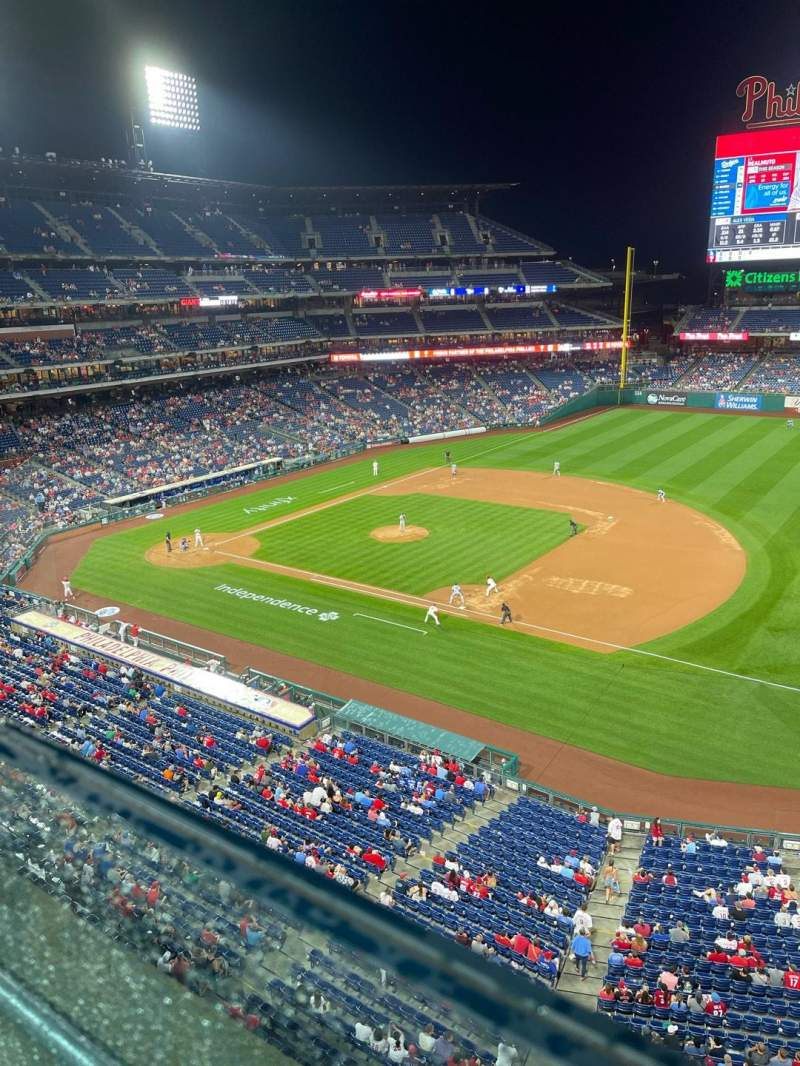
(737, 401)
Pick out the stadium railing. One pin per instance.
(75, 992)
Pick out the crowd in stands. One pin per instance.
(707, 955)
(719, 370)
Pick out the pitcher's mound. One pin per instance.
(392, 534)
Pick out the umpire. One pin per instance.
(505, 614)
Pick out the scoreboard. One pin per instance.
(755, 198)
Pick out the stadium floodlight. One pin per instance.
(172, 99)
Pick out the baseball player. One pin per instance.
(662, 496)
(505, 614)
(453, 471)
(402, 521)
(456, 594)
(68, 593)
(374, 467)
(198, 539)
(573, 527)
(556, 469)
(433, 615)
(491, 586)
(168, 541)
(790, 423)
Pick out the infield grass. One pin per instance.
(743, 471)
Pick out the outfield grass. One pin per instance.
(467, 540)
(743, 471)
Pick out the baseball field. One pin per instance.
(661, 634)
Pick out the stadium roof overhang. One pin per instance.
(96, 179)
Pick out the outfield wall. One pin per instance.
(607, 396)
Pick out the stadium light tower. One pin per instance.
(172, 99)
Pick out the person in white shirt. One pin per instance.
(594, 817)
(318, 1003)
(506, 1054)
(198, 539)
(426, 1039)
(432, 614)
(726, 942)
(386, 898)
(456, 594)
(556, 469)
(397, 1052)
(374, 468)
(796, 921)
(782, 919)
(363, 1033)
(581, 919)
(720, 912)
(614, 833)
(586, 867)
(491, 586)
(743, 889)
(552, 908)
(782, 880)
(379, 1044)
(715, 840)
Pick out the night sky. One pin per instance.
(606, 120)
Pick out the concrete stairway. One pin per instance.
(449, 840)
(606, 918)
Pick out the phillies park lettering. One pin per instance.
(776, 107)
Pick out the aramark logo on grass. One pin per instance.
(269, 504)
(274, 601)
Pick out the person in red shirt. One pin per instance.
(716, 1007)
(374, 859)
(503, 938)
(718, 956)
(669, 879)
(621, 943)
(634, 962)
(643, 927)
(657, 833)
(791, 979)
(662, 997)
(377, 804)
(520, 943)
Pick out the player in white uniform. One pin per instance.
(433, 615)
(68, 593)
(375, 468)
(453, 471)
(491, 586)
(556, 469)
(456, 594)
(198, 539)
(402, 521)
(662, 496)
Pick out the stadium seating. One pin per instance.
(26, 230)
(350, 279)
(385, 324)
(519, 318)
(77, 283)
(775, 375)
(549, 274)
(720, 370)
(276, 282)
(452, 320)
(227, 237)
(165, 230)
(99, 228)
(407, 234)
(711, 877)
(15, 289)
(705, 319)
(504, 239)
(150, 283)
(770, 320)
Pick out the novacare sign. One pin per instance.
(274, 601)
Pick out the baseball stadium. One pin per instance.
(398, 619)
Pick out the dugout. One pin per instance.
(415, 736)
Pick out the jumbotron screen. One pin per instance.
(755, 200)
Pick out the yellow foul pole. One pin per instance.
(626, 317)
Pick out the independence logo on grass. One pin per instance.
(273, 601)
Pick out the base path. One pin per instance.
(638, 570)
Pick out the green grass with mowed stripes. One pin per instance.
(656, 713)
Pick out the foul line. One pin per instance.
(386, 621)
(418, 601)
(333, 488)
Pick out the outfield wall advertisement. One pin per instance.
(738, 401)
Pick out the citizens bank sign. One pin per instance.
(762, 280)
(766, 105)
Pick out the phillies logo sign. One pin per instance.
(764, 105)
